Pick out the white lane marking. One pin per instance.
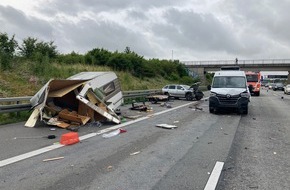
(55, 146)
(214, 177)
(29, 154)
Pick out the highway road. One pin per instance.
(225, 150)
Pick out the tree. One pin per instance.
(7, 50)
(31, 48)
(46, 49)
(28, 47)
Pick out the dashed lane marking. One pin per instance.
(214, 176)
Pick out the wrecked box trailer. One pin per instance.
(87, 96)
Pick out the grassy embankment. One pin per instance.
(17, 81)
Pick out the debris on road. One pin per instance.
(198, 108)
(166, 126)
(154, 99)
(139, 107)
(82, 98)
(166, 104)
(69, 138)
(94, 124)
(132, 116)
(109, 168)
(134, 153)
(114, 133)
(37, 137)
(52, 159)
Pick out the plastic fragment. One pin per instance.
(134, 153)
(114, 133)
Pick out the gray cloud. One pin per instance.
(201, 30)
(88, 34)
(16, 22)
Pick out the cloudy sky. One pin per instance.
(187, 30)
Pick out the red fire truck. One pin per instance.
(254, 82)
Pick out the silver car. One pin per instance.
(177, 91)
(287, 89)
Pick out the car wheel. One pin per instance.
(258, 93)
(188, 97)
(211, 109)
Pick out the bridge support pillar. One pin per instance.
(288, 80)
(201, 74)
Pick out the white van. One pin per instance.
(229, 90)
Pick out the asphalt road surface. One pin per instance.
(254, 149)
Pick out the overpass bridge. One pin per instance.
(201, 67)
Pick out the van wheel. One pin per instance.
(211, 109)
(244, 110)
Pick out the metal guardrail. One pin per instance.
(14, 104)
(17, 104)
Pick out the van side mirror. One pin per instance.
(208, 87)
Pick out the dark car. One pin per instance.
(278, 86)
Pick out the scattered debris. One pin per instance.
(110, 168)
(52, 159)
(37, 137)
(84, 97)
(132, 116)
(254, 187)
(154, 99)
(209, 143)
(123, 120)
(74, 128)
(69, 138)
(166, 104)
(114, 133)
(274, 152)
(166, 126)
(52, 129)
(134, 153)
(197, 108)
(94, 124)
(175, 121)
(139, 107)
(122, 130)
(254, 118)
(228, 168)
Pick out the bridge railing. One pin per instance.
(231, 62)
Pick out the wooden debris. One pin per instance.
(73, 117)
(166, 126)
(52, 159)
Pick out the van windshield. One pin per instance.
(252, 78)
(229, 82)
